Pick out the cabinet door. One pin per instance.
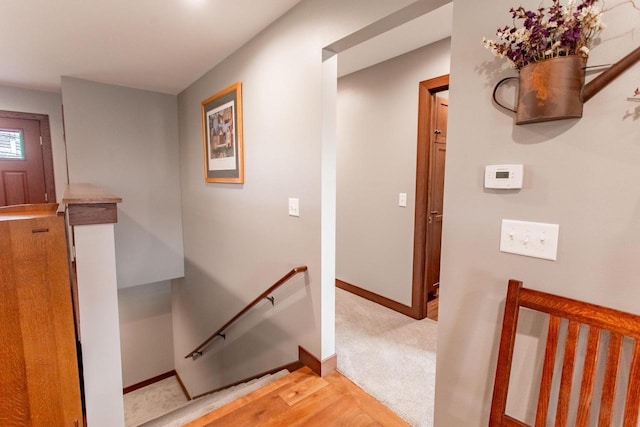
(38, 363)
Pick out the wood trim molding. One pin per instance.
(183, 387)
(150, 381)
(321, 368)
(425, 108)
(373, 297)
(87, 204)
(97, 213)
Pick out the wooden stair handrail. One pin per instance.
(283, 279)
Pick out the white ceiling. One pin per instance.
(162, 46)
(421, 31)
(159, 45)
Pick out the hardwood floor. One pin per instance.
(432, 309)
(303, 398)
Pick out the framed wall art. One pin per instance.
(222, 136)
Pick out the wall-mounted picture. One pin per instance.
(222, 136)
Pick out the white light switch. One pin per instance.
(534, 239)
(402, 200)
(294, 207)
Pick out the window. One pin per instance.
(11, 144)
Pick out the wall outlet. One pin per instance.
(294, 207)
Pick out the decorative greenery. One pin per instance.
(548, 33)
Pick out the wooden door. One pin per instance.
(39, 380)
(436, 192)
(22, 167)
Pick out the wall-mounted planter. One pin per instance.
(548, 90)
(554, 89)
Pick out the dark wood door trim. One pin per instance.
(427, 89)
(47, 152)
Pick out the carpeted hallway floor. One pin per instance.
(391, 356)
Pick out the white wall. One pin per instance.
(581, 174)
(146, 338)
(99, 333)
(125, 141)
(377, 134)
(40, 102)
(238, 238)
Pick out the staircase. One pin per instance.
(283, 399)
(140, 412)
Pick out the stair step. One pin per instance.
(205, 404)
(303, 398)
(287, 381)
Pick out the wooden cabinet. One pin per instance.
(39, 381)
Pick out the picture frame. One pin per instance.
(222, 136)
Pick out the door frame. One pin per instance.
(47, 152)
(427, 90)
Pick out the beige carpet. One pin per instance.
(152, 401)
(389, 355)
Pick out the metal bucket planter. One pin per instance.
(548, 90)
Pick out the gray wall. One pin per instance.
(238, 239)
(377, 134)
(125, 141)
(40, 102)
(145, 331)
(581, 174)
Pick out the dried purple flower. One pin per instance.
(546, 33)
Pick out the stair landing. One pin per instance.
(303, 398)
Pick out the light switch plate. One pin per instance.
(402, 200)
(294, 207)
(534, 239)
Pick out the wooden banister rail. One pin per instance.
(219, 333)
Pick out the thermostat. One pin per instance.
(505, 177)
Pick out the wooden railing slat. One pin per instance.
(632, 404)
(610, 377)
(547, 371)
(588, 375)
(566, 378)
(505, 353)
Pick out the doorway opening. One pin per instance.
(432, 136)
(375, 258)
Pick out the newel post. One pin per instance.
(92, 213)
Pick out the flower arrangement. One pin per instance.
(548, 33)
